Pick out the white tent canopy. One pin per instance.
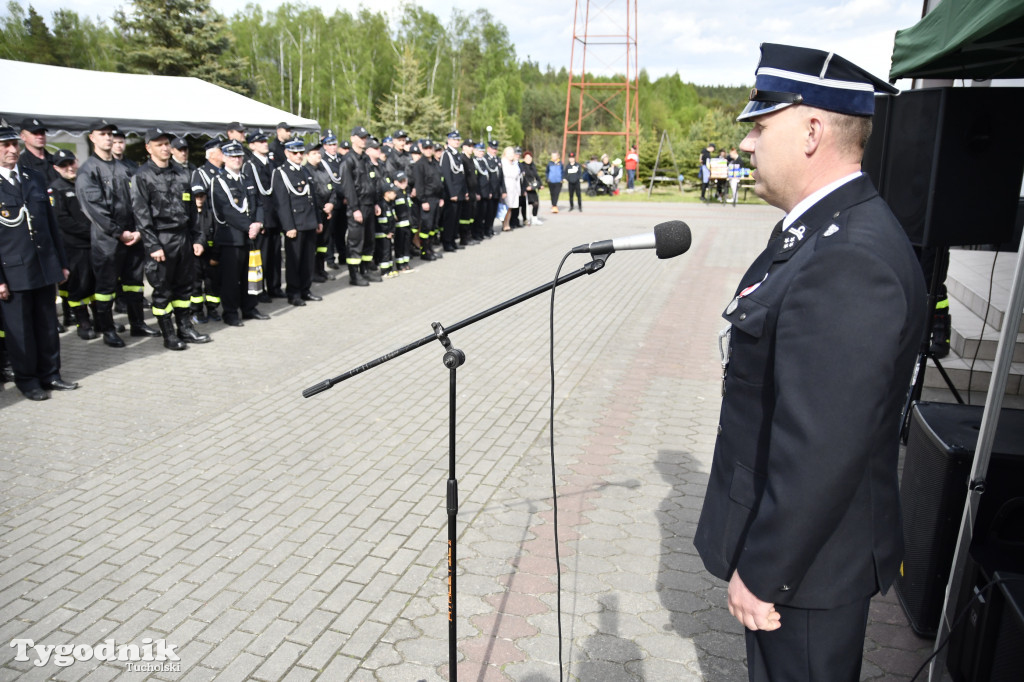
(69, 100)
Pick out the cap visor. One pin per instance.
(755, 109)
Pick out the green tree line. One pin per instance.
(411, 70)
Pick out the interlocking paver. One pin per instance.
(273, 537)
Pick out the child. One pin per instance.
(403, 227)
(384, 248)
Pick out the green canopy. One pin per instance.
(963, 39)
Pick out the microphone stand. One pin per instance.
(453, 359)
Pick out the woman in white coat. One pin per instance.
(513, 182)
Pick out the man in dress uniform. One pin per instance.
(360, 193)
(456, 191)
(335, 229)
(468, 211)
(32, 261)
(206, 282)
(802, 511)
(234, 202)
(260, 169)
(165, 215)
(117, 252)
(296, 202)
(327, 194)
(35, 156)
(496, 177)
(482, 205)
(76, 233)
(426, 180)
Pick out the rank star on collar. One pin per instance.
(788, 243)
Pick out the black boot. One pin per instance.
(171, 340)
(137, 320)
(355, 278)
(105, 324)
(186, 331)
(69, 318)
(942, 325)
(85, 330)
(371, 272)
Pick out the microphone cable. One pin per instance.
(551, 447)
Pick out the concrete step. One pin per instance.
(979, 285)
(974, 373)
(973, 337)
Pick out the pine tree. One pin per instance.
(409, 105)
(180, 38)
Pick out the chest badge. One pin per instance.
(832, 229)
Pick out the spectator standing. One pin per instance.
(553, 175)
(573, 178)
(513, 183)
(632, 163)
(531, 185)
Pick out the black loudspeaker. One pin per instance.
(933, 491)
(987, 644)
(949, 162)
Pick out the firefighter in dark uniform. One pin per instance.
(802, 510)
(76, 233)
(118, 148)
(403, 226)
(482, 205)
(165, 214)
(456, 192)
(206, 284)
(237, 212)
(275, 150)
(334, 229)
(360, 195)
(399, 159)
(496, 177)
(467, 211)
(426, 179)
(179, 155)
(259, 168)
(35, 156)
(32, 262)
(103, 192)
(296, 202)
(326, 191)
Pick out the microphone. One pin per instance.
(669, 239)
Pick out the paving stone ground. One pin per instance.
(196, 497)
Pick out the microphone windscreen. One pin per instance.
(671, 239)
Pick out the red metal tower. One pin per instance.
(603, 100)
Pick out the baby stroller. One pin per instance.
(605, 183)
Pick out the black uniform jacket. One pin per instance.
(426, 178)
(162, 200)
(803, 498)
(358, 181)
(74, 227)
(260, 172)
(495, 175)
(235, 205)
(326, 190)
(483, 177)
(295, 199)
(31, 251)
(103, 192)
(453, 173)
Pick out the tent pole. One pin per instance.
(982, 454)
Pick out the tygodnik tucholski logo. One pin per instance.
(148, 656)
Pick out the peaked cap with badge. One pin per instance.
(799, 75)
(823, 331)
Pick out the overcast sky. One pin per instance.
(710, 42)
